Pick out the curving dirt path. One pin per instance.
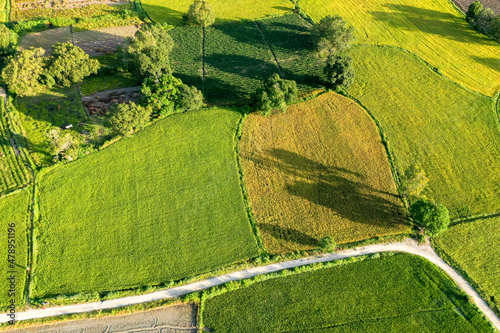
(409, 246)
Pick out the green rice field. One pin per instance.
(430, 121)
(398, 293)
(161, 205)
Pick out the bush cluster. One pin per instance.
(483, 20)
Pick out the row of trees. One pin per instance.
(483, 20)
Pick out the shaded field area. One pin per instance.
(319, 170)
(170, 319)
(13, 170)
(473, 246)
(161, 205)
(15, 210)
(186, 55)
(433, 29)
(171, 11)
(398, 293)
(452, 133)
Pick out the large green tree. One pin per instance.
(200, 13)
(127, 118)
(332, 35)
(147, 54)
(339, 71)
(434, 218)
(22, 74)
(69, 63)
(474, 9)
(275, 94)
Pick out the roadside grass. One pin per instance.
(290, 41)
(236, 61)
(398, 292)
(13, 170)
(161, 205)
(430, 121)
(433, 29)
(171, 11)
(14, 208)
(39, 114)
(473, 246)
(186, 56)
(319, 170)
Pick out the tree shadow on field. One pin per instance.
(286, 9)
(343, 191)
(410, 18)
(241, 65)
(288, 234)
(493, 63)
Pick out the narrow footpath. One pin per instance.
(409, 246)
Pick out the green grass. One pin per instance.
(186, 56)
(161, 205)
(399, 293)
(13, 170)
(433, 29)
(4, 11)
(451, 132)
(171, 11)
(474, 247)
(236, 61)
(53, 108)
(14, 208)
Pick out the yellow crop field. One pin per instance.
(171, 11)
(433, 29)
(319, 170)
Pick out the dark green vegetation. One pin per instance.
(13, 170)
(483, 20)
(168, 206)
(275, 94)
(14, 208)
(430, 121)
(398, 293)
(186, 56)
(434, 218)
(473, 248)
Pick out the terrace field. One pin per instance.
(13, 170)
(319, 170)
(163, 204)
(14, 209)
(433, 29)
(171, 11)
(399, 293)
(430, 121)
(473, 246)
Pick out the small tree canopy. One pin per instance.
(23, 72)
(127, 118)
(147, 54)
(328, 244)
(332, 35)
(474, 9)
(483, 21)
(7, 40)
(339, 71)
(434, 218)
(69, 63)
(275, 94)
(189, 98)
(414, 182)
(200, 13)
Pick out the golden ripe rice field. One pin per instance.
(319, 170)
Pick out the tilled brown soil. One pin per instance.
(98, 103)
(493, 4)
(172, 319)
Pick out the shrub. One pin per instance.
(200, 13)
(328, 244)
(127, 118)
(474, 9)
(189, 98)
(339, 71)
(483, 21)
(275, 94)
(434, 218)
(332, 35)
(160, 94)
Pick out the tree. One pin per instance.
(189, 98)
(474, 9)
(328, 244)
(434, 218)
(160, 94)
(62, 145)
(483, 21)
(332, 35)
(147, 54)
(23, 72)
(495, 28)
(200, 13)
(275, 94)
(69, 63)
(127, 118)
(7, 40)
(339, 71)
(414, 182)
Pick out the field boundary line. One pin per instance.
(409, 246)
(270, 49)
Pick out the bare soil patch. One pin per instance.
(103, 41)
(46, 39)
(172, 319)
(99, 103)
